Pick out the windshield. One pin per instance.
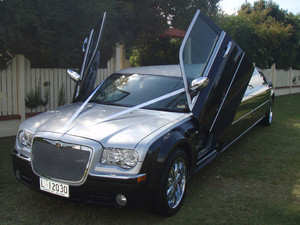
(133, 89)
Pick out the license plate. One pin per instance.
(54, 187)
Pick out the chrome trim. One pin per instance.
(116, 176)
(19, 155)
(250, 112)
(60, 144)
(214, 54)
(73, 75)
(185, 39)
(241, 134)
(84, 43)
(64, 144)
(176, 183)
(226, 93)
(199, 83)
(270, 114)
(227, 49)
(206, 157)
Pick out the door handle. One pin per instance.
(227, 49)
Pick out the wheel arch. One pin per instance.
(177, 139)
(161, 150)
(176, 146)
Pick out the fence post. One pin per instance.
(290, 80)
(273, 69)
(118, 53)
(122, 56)
(21, 71)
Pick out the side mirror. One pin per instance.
(199, 83)
(73, 75)
(270, 84)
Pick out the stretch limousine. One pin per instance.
(143, 132)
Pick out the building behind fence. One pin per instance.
(19, 82)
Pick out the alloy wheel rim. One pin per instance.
(176, 183)
(270, 115)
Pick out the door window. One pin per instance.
(198, 49)
(197, 52)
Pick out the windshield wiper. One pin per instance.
(106, 103)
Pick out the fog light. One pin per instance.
(18, 174)
(121, 200)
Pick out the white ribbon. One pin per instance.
(75, 115)
(79, 110)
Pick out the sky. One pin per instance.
(232, 6)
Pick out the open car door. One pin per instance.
(90, 62)
(216, 73)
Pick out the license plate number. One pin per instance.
(54, 187)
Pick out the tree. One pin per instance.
(156, 51)
(267, 33)
(50, 32)
(181, 12)
(178, 14)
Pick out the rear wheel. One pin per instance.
(267, 121)
(172, 186)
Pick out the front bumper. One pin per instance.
(99, 190)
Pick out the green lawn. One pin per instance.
(256, 181)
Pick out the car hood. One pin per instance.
(123, 131)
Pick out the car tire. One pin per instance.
(172, 186)
(267, 121)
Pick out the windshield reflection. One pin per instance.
(133, 89)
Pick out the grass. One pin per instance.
(256, 181)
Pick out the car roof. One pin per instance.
(163, 70)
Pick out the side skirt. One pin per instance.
(214, 154)
(205, 161)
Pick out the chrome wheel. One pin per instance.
(169, 195)
(267, 121)
(176, 183)
(270, 115)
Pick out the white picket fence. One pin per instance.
(51, 81)
(284, 81)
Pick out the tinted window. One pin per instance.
(198, 48)
(133, 89)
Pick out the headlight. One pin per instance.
(25, 138)
(125, 158)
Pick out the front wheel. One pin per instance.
(172, 185)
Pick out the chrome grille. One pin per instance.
(60, 161)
